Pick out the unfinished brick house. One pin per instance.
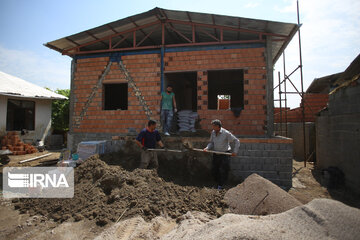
(120, 68)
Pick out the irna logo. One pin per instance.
(38, 182)
(18, 180)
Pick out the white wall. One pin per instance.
(42, 119)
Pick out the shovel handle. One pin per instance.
(163, 150)
(210, 151)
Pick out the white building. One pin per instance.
(25, 107)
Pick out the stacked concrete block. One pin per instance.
(269, 158)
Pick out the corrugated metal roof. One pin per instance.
(17, 87)
(287, 30)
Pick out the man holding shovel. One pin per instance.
(220, 140)
(147, 139)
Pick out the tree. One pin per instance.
(60, 112)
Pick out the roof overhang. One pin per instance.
(169, 28)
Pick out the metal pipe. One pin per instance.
(286, 125)
(302, 82)
(162, 69)
(285, 76)
(280, 104)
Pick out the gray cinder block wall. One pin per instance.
(338, 135)
(272, 161)
(270, 158)
(295, 131)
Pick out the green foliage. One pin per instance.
(60, 112)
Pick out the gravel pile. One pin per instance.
(258, 196)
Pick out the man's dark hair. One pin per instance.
(216, 122)
(151, 122)
(169, 86)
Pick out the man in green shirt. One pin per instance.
(168, 106)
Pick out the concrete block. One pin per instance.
(273, 154)
(270, 175)
(272, 161)
(283, 168)
(286, 161)
(269, 167)
(285, 175)
(265, 154)
(268, 146)
(252, 153)
(275, 146)
(258, 160)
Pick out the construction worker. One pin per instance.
(148, 138)
(168, 107)
(220, 140)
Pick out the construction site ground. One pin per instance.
(83, 218)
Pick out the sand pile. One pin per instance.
(258, 196)
(106, 193)
(319, 219)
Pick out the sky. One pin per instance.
(330, 33)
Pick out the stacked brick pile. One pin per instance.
(13, 142)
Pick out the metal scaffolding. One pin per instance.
(297, 91)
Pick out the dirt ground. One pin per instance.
(14, 160)
(307, 185)
(107, 193)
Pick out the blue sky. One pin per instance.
(330, 32)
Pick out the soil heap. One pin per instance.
(258, 196)
(107, 193)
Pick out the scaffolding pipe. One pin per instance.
(280, 104)
(302, 82)
(286, 125)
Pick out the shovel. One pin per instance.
(188, 145)
(164, 150)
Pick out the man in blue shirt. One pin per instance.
(168, 106)
(220, 140)
(148, 138)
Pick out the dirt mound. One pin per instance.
(258, 196)
(107, 193)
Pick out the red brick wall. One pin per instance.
(314, 102)
(145, 70)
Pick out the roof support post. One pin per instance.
(71, 105)
(269, 88)
(162, 69)
(72, 102)
(162, 33)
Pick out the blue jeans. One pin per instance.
(166, 119)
